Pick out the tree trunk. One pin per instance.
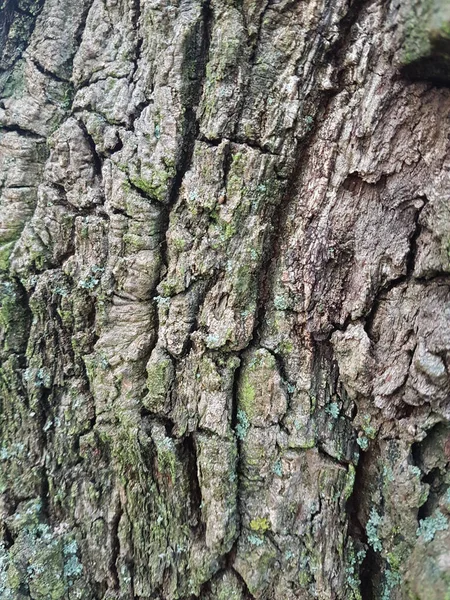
(225, 304)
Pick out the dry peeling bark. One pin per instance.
(225, 303)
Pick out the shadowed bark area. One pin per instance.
(224, 299)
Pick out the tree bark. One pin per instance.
(225, 303)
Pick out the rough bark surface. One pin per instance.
(225, 302)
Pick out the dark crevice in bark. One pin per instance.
(136, 60)
(115, 547)
(205, 589)
(356, 529)
(410, 261)
(87, 389)
(254, 144)
(100, 590)
(151, 417)
(411, 257)
(227, 162)
(144, 196)
(325, 372)
(247, 593)
(190, 134)
(115, 210)
(21, 131)
(13, 4)
(276, 236)
(21, 187)
(82, 26)
(406, 410)
(7, 537)
(286, 382)
(230, 556)
(136, 15)
(204, 287)
(234, 403)
(200, 54)
(45, 494)
(48, 73)
(215, 142)
(369, 568)
(254, 44)
(7, 13)
(333, 55)
(416, 452)
(212, 142)
(234, 422)
(117, 148)
(257, 35)
(24, 304)
(438, 439)
(434, 479)
(189, 450)
(335, 326)
(45, 412)
(61, 190)
(329, 457)
(346, 25)
(435, 277)
(96, 158)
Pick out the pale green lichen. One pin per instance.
(368, 428)
(243, 425)
(388, 474)
(431, 525)
(392, 579)
(363, 442)
(255, 540)
(41, 559)
(277, 469)
(353, 580)
(333, 410)
(415, 471)
(372, 530)
(280, 303)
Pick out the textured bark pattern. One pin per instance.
(224, 324)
